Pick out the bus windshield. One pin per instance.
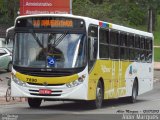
(50, 50)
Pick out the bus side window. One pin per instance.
(93, 48)
(137, 41)
(103, 43)
(131, 40)
(149, 56)
(92, 45)
(148, 50)
(123, 39)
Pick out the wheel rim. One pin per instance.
(134, 94)
(99, 97)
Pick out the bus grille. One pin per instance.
(45, 94)
(54, 93)
(40, 84)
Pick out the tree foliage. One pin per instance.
(8, 11)
(124, 12)
(97, 1)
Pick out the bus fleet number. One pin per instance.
(32, 80)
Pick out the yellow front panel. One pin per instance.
(48, 80)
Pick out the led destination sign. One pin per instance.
(49, 22)
(52, 23)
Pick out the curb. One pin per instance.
(157, 69)
(156, 80)
(156, 66)
(156, 46)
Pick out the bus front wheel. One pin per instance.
(97, 103)
(34, 102)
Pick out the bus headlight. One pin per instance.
(17, 81)
(76, 82)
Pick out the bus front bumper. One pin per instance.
(58, 92)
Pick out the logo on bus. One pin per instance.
(105, 69)
(51, 61)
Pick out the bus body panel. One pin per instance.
(118, 82)
(114, 82)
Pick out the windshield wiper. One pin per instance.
(37, 39)
(58, 40)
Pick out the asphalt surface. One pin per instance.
(3, 82)
(148, 103)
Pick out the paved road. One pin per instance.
(3, 83)
(157, 74)
(72, 110)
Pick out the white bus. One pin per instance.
(67, 57)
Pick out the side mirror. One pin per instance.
(9, 35)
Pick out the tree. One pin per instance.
(131, 13)
(97, 1)
(8, 11)
(152, 7)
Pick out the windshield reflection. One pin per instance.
(50, 50)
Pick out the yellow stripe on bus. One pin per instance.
(48, 80)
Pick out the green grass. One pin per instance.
(157, 41)
(157, 54)
(157, 33)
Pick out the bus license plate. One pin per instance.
(45, 91)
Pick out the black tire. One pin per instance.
(8, 94)
(9, 69)
(34, 102)
(133, 98)
(97, 103)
